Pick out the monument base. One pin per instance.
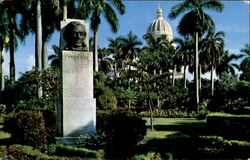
(73, 141)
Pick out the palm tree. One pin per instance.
(130, 47)
(3, 44)
(47, 19)
(97, 7)
(185, 50)
(115, 47)
(226, 65)
(161, 51)
(213, 48)
(50, 22)
(12, 9)
(105, 60)
(195, 22)
(245, 64)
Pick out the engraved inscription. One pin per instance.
(77, 58)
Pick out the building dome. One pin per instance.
(160, 27)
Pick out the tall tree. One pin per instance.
(14, 32)
(161, 51)
(245, 64)
(130, 47)
(213, 48)
(185, 49)
(105, 63)
(49, 20)
(115, 47)
(98, 7)
(38, 52)
(226, 65)
(3, 44)
(195, 22)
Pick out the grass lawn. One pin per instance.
(168, 126)
(3, 135)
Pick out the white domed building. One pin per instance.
(160, 27)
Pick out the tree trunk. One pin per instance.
(199, 78)
(44, 55)
(151, 114)
(196, 78)
(38, 42)
(173, 77)
(185, 77)
(65, 11)
(12, 48)
(129, 101)
(96, 51)
(2, 68)
(212, 81)
(115, 71)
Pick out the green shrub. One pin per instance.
(69, 151)
(21, 152)
(230, 126)
(218, 147)
(170, 113)
(50, 119)
(32, 104)
(107, 101)
(2, 108)
(126, 97)
(230, 96)
(122, 130)
(23, 94)
(106, 98)
(27, 127)
(203, 112)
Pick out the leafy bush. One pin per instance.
(50, 119)
(170, 113)
(218, 147)
(27, 127)
(106, 99)
(2, 108)
(126, 97)
(69, 151)
(21, 152)
(32, 104)
(230, 96)
(23, 93)
(122, 130)
(203, 112)
(230, 126)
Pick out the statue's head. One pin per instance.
(74, 35)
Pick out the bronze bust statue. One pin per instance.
(74, 36)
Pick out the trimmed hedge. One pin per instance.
(21, 152)
(30, 127)
(69, 151)
(27, 127)
(72, 152)
(230, 126)
(170, 113)
(122, 129)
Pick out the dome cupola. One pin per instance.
(160, 27)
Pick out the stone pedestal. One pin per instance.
(77, 109)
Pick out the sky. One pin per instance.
(234, 21)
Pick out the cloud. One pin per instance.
(247, 1)
(30, 62)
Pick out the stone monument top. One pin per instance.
(74, 36)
